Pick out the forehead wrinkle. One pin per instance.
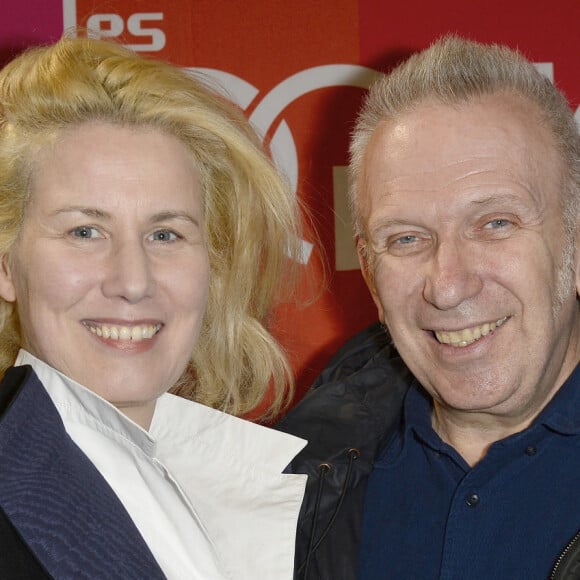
(401, 186)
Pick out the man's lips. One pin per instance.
(467, 336)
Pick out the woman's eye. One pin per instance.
(85, 232)
(164, 236)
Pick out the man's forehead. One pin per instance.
(432, 137)
(484, 110)
(458, 155)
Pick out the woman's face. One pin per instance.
(110, 271)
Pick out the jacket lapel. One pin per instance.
(55, 497)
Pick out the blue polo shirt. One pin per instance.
(429, 515)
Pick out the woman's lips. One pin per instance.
(122, 332)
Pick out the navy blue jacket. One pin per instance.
(58, 516)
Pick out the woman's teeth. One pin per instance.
(467, 336)
(134, 333)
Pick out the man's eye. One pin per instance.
(85, 232)
(164, 236)
(497, 224)
(406, 244)
(403, 240)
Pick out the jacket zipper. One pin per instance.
(562, 556)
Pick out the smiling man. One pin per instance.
(465, 184)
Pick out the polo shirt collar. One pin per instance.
(561, 414)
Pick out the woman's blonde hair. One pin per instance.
(251, 216)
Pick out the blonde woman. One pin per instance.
(143, 238)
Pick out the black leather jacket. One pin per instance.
(346, 416)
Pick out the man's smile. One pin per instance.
(467, 336)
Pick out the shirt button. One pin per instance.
(531, 450)
(472, 500)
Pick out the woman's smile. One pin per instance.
(114, 225)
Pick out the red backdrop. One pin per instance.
(299, 69)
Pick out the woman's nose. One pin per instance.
(129, 273)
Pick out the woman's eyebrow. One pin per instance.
(88, 211)
(105, 215)
(174, 215)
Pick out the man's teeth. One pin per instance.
(134, 333)
(467, 336)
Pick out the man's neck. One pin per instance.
(472, 434)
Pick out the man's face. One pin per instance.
(465, 247)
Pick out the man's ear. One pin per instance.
(577, 260)
(7, 289)
(367, 269)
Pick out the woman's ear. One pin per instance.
(7, 290)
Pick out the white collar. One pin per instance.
(174, 418)
(228, 468)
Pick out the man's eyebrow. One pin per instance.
(499, 199)
(387, 222)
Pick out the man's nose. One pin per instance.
(452, 276)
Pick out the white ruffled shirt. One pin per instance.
(205, 489)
